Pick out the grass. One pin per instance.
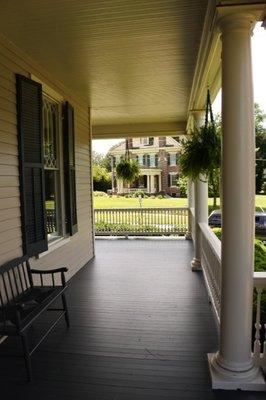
(122, 202)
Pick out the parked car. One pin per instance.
(215, 220)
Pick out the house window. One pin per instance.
(144, 141)
(172, 159)
(146, 160)
(173, 179)
(140, 159)
(51, 149)
(152, 160)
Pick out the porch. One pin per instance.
(141, 326)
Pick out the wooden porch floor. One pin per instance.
(141, 327)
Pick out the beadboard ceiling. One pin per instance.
(134, 60)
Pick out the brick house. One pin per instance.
(157, 157)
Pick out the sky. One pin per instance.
(259, 80)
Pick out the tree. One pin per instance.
(101, 178)
(101, 168)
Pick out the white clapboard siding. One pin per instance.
(78, 250)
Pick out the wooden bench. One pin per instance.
(22, 302)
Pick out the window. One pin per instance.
(140, 159)
(172, 159)
(51, 150)
(146, 160)
(144, 141)
(152, 160)
(173, 179)
(39, 143)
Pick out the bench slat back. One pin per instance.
(14, 279)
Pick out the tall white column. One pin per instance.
(190, 198)
(200, 205)
(148, 184)
(152, 184)
(232, 367)
(160, 182)
(120, 186)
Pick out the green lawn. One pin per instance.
(122, 202)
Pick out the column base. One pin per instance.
(188, 236)
(195, 265)
(225, 379)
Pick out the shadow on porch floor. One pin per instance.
(141, 327)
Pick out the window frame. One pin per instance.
(172, 175)
(59, 189)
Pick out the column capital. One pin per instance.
(241, 18)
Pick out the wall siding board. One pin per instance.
(78, 250)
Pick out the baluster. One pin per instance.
(257, 342)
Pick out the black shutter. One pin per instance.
(69, 169)
(29, 114)
(151, 141)
(168, 158)
(169, 180)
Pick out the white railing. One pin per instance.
(141, 221)
(259, 349)
(211, 266)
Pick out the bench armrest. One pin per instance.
(48, 271)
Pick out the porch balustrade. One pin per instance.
(141, 221)
(211, 268)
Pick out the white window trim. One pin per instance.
(55, 96)
(172, 174)
(56, 244)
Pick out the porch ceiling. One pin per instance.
(133, 61)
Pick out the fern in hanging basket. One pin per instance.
(201, 153)
(127, 170)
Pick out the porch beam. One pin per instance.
(139, 130)
(232, 367)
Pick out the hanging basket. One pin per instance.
(127, 169)
(202, 151)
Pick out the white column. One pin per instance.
(152, 184)
(232, 367)
(148, 184)
(160, 182)
(190, 198)
(120, 186)
(200, 205)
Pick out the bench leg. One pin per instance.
(65, 309)
(26, 353)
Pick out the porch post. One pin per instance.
(190, 197)
(200, 205)
(160, 182)
(232, 367)
(148, 184)
(152, 184)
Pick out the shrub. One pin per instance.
(100, 194)
(140, 193)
